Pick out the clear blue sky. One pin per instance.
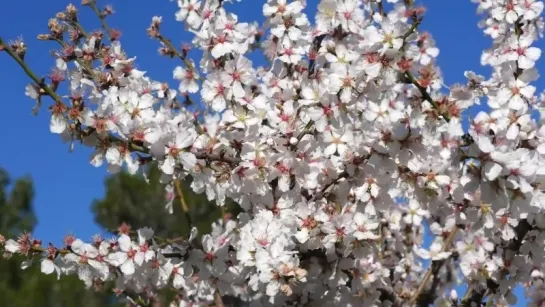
(65, 182)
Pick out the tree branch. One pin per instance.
(323, 191)
(412, 29)
(173, 49)
(101, 17)
(426, 95)
(30, 73)
(218, 300)
(431, 269)
(474, 295)
(185, 208)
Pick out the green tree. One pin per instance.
(133, 200)
(130, 199)
(31, 288)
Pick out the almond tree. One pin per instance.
(339, 153)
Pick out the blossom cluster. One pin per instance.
(340, 153)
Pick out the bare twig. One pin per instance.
(30, 73)
(86, 67)
(185, 208)
(78, 26)
(381, 9)
(173, 49)
(184, 59)
(429, 272)
(101, 17)
(413, 28)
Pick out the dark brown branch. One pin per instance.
(426, 95)
(323, 191)
(218, 157)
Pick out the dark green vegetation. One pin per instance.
(128, 199)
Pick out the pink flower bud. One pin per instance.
(56, 76)
(115, 35)
(69, 239)
(124, 229)
(108, 10)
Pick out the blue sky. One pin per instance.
(65, 182)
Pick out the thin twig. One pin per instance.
(165, 242)
(427, 96)
(429, 272)
(323, 191)
(411, 78)
(184, 59)
(86, 67)
(30, 73)
(185, 208)
(467, 296)
(381, 9)
(78, 26)
(413, 27)
(102, 18)
(173, 49)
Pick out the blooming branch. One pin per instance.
(341, 153)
